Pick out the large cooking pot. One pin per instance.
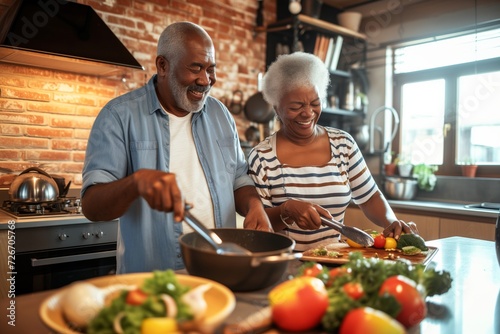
(258, 110)
(33, 185)
(271, 253)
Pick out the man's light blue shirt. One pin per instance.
(132, 132)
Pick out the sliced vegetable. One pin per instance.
(136, 297)
(411, 250)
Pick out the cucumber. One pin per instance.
(410, 239)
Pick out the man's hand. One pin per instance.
(161, 191)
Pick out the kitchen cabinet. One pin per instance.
(4, 287)
(430, 227)
(466, 228)
(346, 103)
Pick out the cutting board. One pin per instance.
(368, 252)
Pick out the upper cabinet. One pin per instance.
(342, 50)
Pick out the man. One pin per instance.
(152, 150)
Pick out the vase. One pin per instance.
(405, 170)
(469, 170)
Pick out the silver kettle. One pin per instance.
(33, 185)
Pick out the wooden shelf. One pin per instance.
(313, 23)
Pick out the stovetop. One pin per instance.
(60, 207)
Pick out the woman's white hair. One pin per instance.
(299, 69)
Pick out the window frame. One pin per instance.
(450, 74)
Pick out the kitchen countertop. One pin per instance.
(429, 207)
(39, 221)
(471, 306)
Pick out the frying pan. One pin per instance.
(267, 264)
(258, 110)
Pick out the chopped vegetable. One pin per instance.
(411, 250)
(371, 273)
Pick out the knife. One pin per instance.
(350, 232)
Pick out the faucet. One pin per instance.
(372, 128)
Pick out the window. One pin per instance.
(448, 95)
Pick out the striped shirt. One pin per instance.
(333, 185)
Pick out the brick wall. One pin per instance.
(46, 115)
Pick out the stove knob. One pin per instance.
(63, 236)
(99, 234)
(86, 235)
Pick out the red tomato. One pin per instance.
(366, 320)
(379, 241)
(314, 270)
(405, 290)
(298, 304)
(334, 273)
(136, 297)
(354, 290)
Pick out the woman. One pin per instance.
(304, 170)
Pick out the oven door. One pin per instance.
(50, 269)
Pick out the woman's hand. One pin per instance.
(397, 227)
(306, 215)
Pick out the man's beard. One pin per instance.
(180, 95)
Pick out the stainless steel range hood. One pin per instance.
(62, 35)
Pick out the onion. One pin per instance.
(170, 305)
(82, 301)
(194, 299)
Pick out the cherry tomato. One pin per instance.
(298, 304)
(365, 320)
(353, 290)
(136, 297)
(335, 273)
(406, 292)
(379, 241)
(313, 270)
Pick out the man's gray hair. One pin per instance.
(172, 39)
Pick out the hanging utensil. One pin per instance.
(353, 233)
(236, 105)
(221, 247)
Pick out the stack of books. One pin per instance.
(328, 50)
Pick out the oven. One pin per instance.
(49, 257)
(56, 245)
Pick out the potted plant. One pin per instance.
(404, 165)
(469, 168)
(425, 176)
(389, 165)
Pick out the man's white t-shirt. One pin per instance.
(184, 162)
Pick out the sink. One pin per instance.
(483, 205)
